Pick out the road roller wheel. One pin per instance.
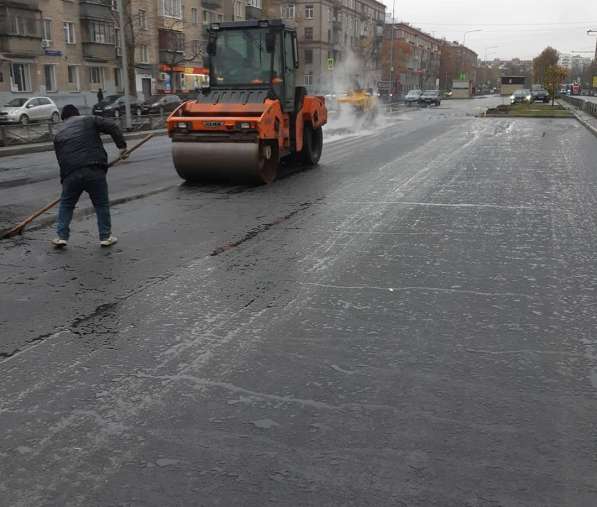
(312, 145)
(269, 161)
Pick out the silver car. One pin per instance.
(23, 110)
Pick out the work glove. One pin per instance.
(124, 154)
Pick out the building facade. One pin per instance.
(457, 64)
(68, 50)
(411, 59)
(340, 41)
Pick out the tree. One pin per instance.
(553, 77)
(175, 50)
(549, 57)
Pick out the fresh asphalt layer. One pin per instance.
(411, 323)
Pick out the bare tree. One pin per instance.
(175, 49)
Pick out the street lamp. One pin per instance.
(487, 50)
(470, 31)
(392, 50)
(463, 46)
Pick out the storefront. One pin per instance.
(174, 79)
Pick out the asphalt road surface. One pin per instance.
(411, 323)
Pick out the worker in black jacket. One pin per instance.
(83, 166)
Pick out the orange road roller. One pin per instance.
(253, 114)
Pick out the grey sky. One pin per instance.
(520, 28)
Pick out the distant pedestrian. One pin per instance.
(83, 166)
(100, 95)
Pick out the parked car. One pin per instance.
(523, 96)
(160, 103)
(540, 95)
(412, 97)
(114, 106)
(23, 110)
(429, 97)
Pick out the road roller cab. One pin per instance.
(253, 114)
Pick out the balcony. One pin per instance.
(254, 12)
(31, 5)
(213, 5)
(96, 9)
(99, 52)
(20, 47)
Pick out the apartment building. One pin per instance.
(411, 59)
(68, 50)
(457, 64)
(340, 40)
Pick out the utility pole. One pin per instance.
(123, 70)
(392, 90)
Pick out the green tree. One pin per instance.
(549, 57)
(553, 78)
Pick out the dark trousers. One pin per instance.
(93, 181)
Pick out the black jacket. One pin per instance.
(78, 144)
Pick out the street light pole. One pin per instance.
(123, 68)
(464, 45)
(487, 50)
(589, 32)
(392, 50)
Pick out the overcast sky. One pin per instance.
(519, 28)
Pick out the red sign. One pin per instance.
(185, 70)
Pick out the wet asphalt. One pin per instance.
(411, 323)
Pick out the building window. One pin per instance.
(73, 77)
(69, 32)
(20, 77)
(96, 77)
(172, 8)
(309, 11)
(194, 16)
(308, 56)
(117, 77)
(308, 33)
(196, 48)
(288, 11)
(239, 10)
(143, 53)
(308, 78)
(100, 32)
(142, 17)
(47, 31)
(254, 3)
(50, 78)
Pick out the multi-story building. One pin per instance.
(68, 50)
(457, 63)
(411, 58)
(340, 40)
(61, 49)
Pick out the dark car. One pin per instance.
(157, 104)
(429, 97)
(540, 95)
(114, 106)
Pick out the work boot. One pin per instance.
(59, 243)
(108, 242)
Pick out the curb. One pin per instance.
(586, 124)
(25, 149)
(580, 119)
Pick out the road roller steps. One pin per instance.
(253, 114)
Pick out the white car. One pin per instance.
(23, 110)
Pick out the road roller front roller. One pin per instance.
(253, 114)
